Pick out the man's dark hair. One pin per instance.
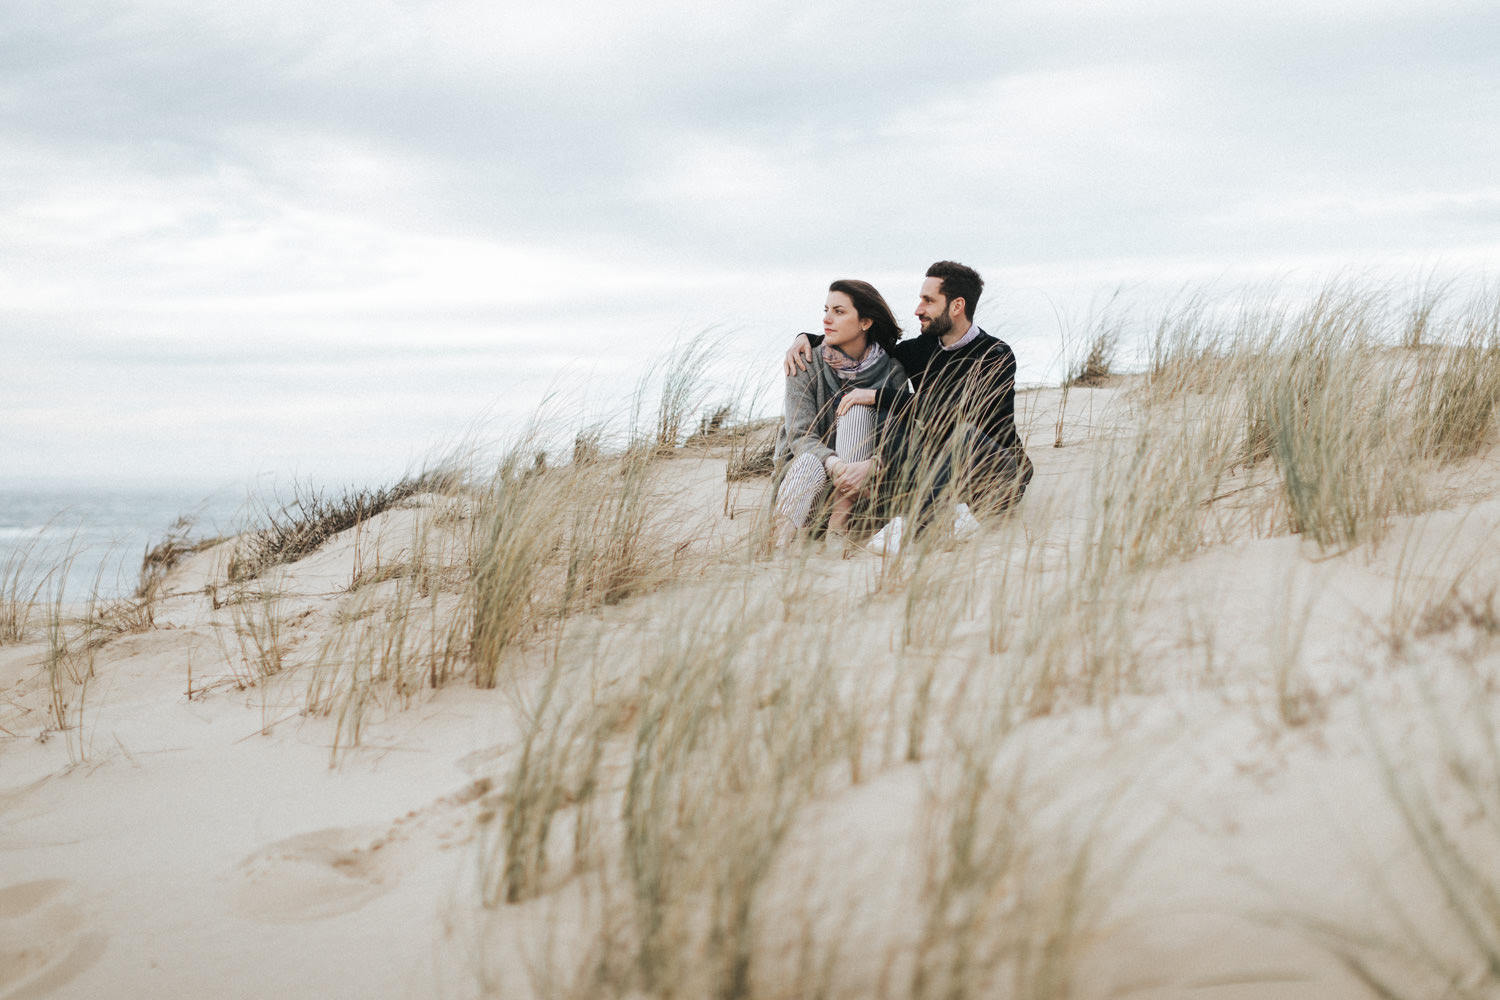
(958, 282)
(870, 305)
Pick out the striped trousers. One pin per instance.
(806, 478)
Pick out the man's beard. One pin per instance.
(938, 325)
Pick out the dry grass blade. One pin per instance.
(167, 555)
(19, 587)
(69, 660)
(518, 535)
(1102, 342)
(1150, 500)
(1186, 347)
(1457, 386)
(1428, 298)
(551, 543)
(1006, 910)
(682, 389)
(312, 517)
(685, 783)
(1327, 405)
(259, 628)
(559, 768)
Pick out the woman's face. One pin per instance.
(842, 326)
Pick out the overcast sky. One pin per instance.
(327, 238)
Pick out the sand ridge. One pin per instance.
(212, 829)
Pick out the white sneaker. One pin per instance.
(887, 541)
(965, 524)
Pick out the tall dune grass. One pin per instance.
(398, 628)
(20, 584)
(728, 730)
(518, 536)
(1330, 406)
(1003, 912)
(665, 756)
(298, 526)
(69, 660)
(553, 541)
(1153, 492)
(1457, 386)
(1344, 416)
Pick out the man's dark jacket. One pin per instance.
(975, 384)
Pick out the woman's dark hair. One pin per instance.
(869, 304)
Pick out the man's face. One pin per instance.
(932, 309)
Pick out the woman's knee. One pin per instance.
(855, 438)
(800, 487)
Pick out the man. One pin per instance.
(958, 420)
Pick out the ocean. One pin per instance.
(97, 535)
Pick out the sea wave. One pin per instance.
(99, 534)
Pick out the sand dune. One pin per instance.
(1170, 779)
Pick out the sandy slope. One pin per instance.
(194, 841)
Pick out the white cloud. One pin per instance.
(1410, 207)
(709, 172)
(247, 199)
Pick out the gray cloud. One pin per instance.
(250, 195)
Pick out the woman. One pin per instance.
(816, 441)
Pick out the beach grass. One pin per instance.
(673, 784)
(688, 715)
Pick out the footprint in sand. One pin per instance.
(315, 875)
(45, 938)
(327, 873)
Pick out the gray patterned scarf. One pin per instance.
(850, 369)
